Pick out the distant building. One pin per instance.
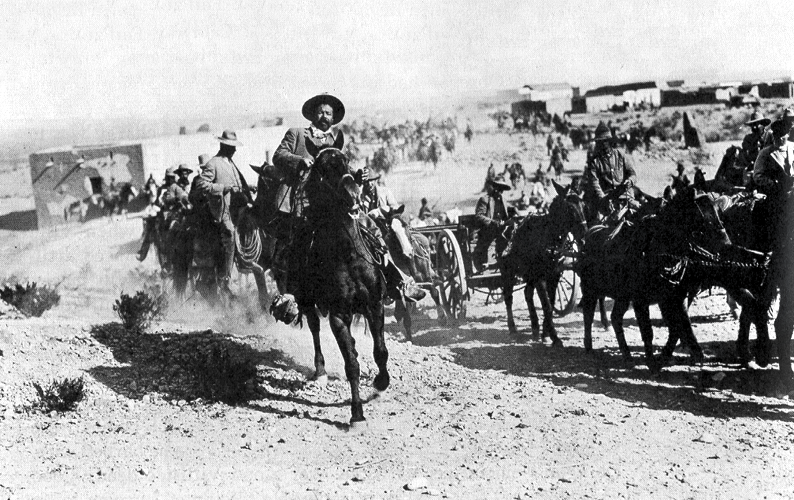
(551, 98)
(547, 91)
(784, 89)
(70, 176)
(630, 95)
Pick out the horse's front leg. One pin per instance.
(588, 311)
(602, 309)
(643, 315)
(507, 293)
(548, 313)
(618, 311)
(320, 376)
(379, 351)
(529, 297)
(340, 325)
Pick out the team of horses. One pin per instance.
(661, 256)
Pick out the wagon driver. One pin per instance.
(491, 218)
(293, 160)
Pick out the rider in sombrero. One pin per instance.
(293, 160)
(608, 176)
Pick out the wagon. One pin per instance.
(452, 252)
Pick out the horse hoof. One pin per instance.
(358, 426)
(320, 381)
(557, 343)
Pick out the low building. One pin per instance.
(69, 176)
(784, 90)
(629, 95)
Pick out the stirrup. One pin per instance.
(410, 291)
(284, 308)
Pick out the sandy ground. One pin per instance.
(470, 414)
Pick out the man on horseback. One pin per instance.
(225, 192)
(753, 142)
(293, 160)
(492, 219)
(608, 177)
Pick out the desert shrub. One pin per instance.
(713, 136)
(60, 395)
(137, 312)
(31, 299)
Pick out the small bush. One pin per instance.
(137, 312)
(31, 299)
(61, 395)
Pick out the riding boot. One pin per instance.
(227, 264)
(400, 283)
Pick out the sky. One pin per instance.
(79, 59)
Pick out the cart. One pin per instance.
(452, 246)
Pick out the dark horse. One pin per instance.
(741, 214)
(533, 254)
(341, 276)
(659, 259)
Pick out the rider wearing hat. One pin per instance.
(176, 192)
(491, 218)
(753, 142)
(293, 160)
(225, 190)
(607, 176)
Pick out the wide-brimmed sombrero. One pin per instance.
(499, 182)
(229, 137)
(310, 106)
(183, 168)
(758, 119)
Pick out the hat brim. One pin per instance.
(229, 142)
(501, 185)
(603, 138)
(188, 170)
(311, 105)
(759, 121)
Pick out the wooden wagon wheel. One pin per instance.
(449, 265)
(567, 292)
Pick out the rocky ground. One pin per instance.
(470, 413)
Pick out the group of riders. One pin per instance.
(219, 192)
(211, 206)
(608, 186)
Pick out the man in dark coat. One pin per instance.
(607, 176)
(293, 160)
(491, 217)
(225, 191)
(753, 142)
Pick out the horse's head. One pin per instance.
(567, 211)
(331, 185)
(692, 215)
